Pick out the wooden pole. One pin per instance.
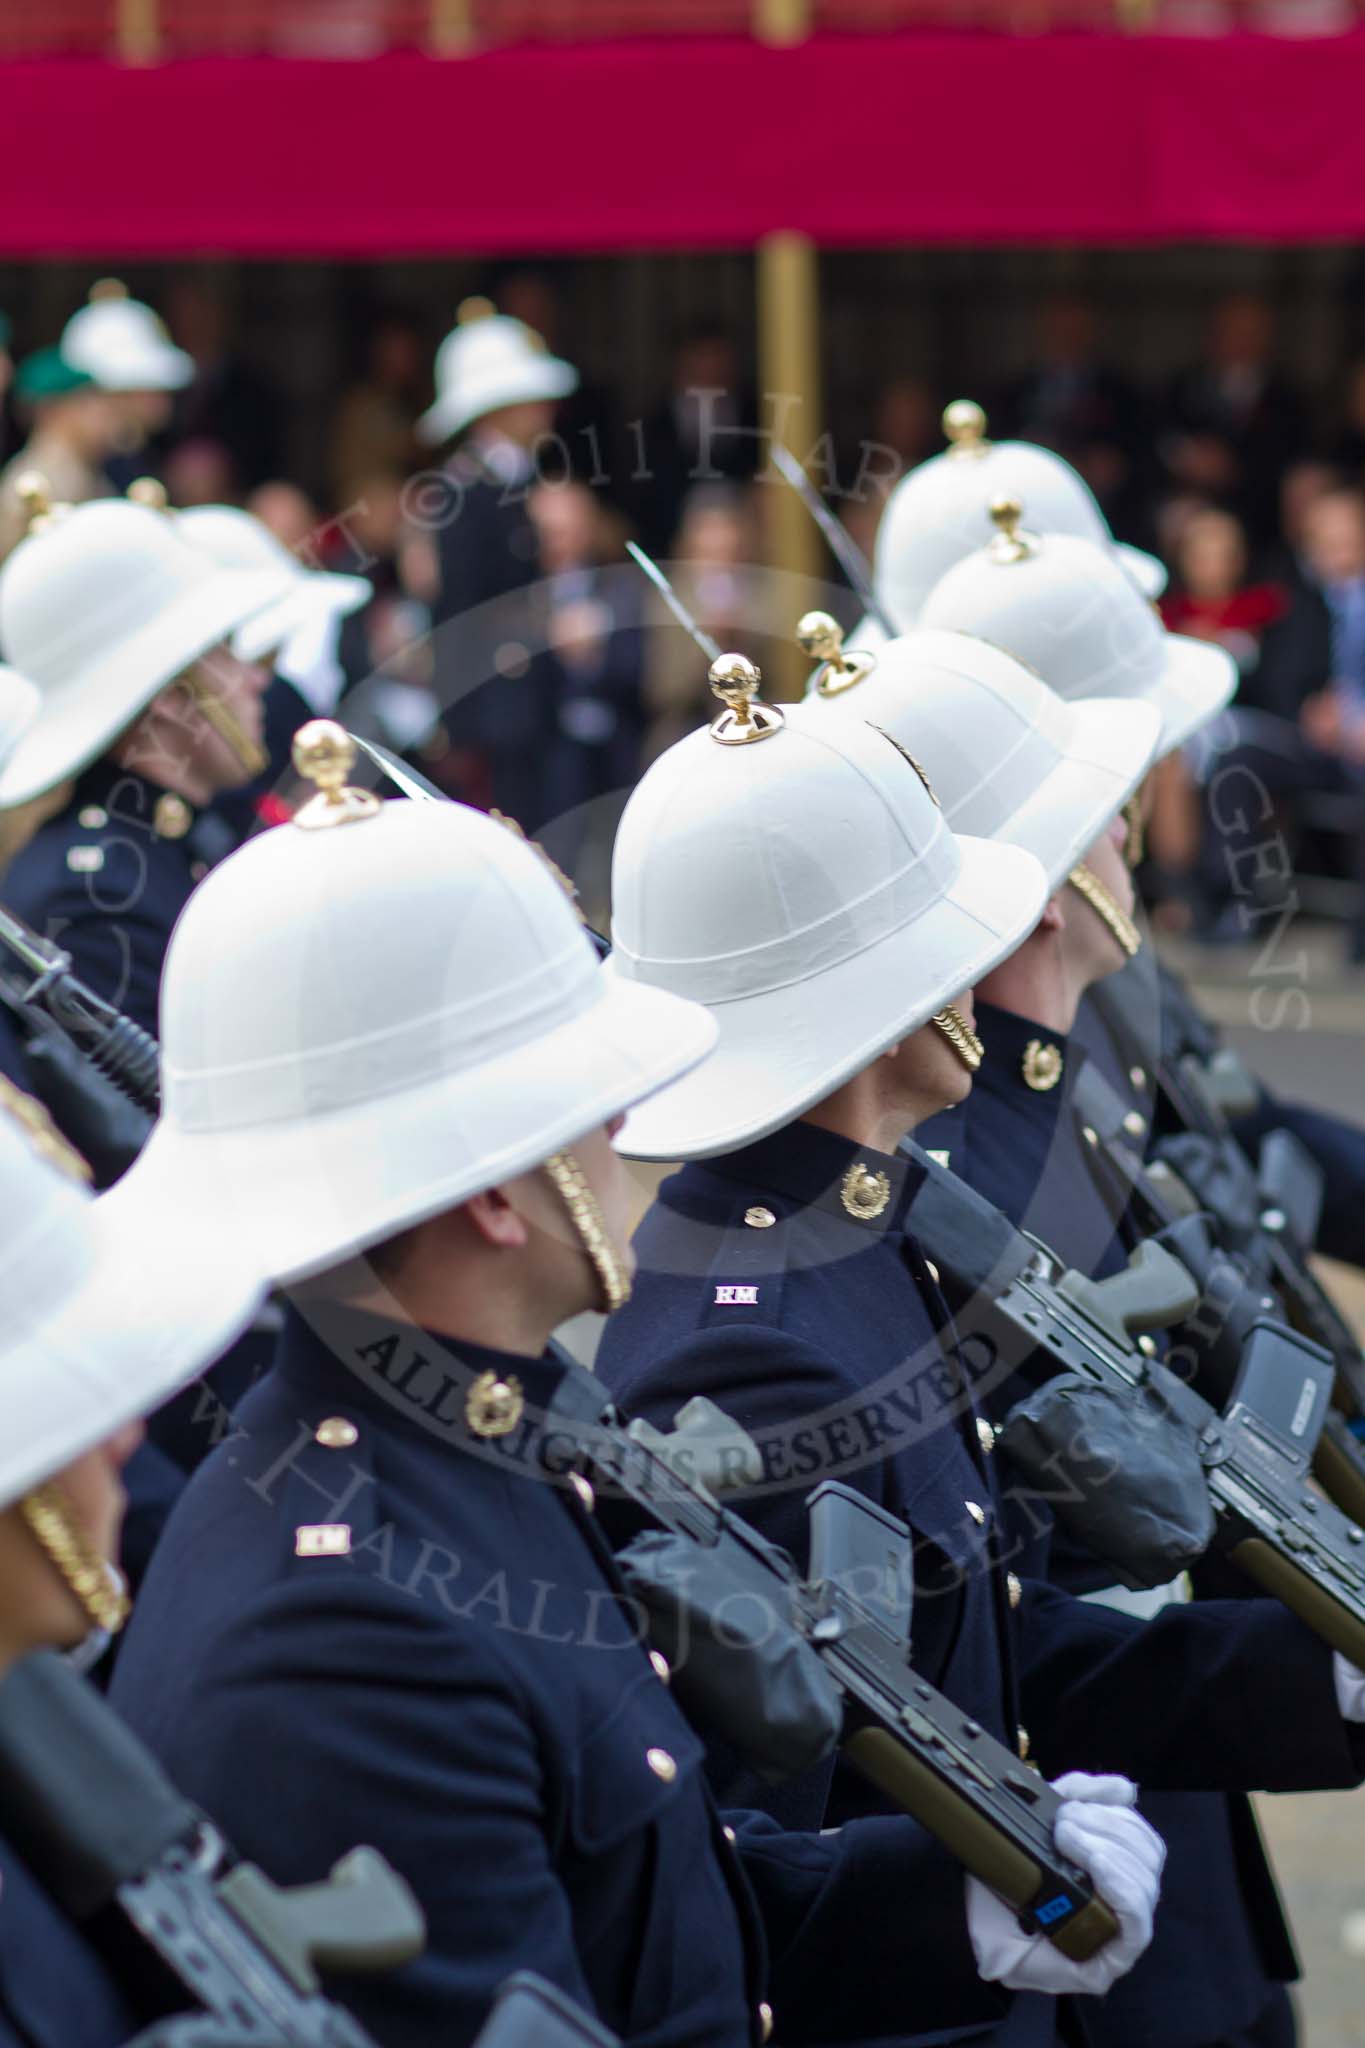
(452, 28)
(789, 400)
(782, 21)
(137, 32)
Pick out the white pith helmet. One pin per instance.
(123, 345)
(1066, 608)
(809, 890)
(107, 1305)
(236, 540)
(1007, 757)
(365, 1025)
(940, 511)
(489, 360)
(102, 606)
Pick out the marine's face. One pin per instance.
(38, 1610)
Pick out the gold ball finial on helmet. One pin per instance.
(106, 288)
(150, 492)
(964, 424)
(470, 310)
(324, 754)
(34, 493)
(735, 680)
(822, 637)
(1011, 543)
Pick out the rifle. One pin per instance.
(1256, 1456)
(92, 1816)
(1248, 1254)
(529, 2013)
(835, 1643)
(45, 986)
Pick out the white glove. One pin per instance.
(1350, 1688)
(1098, 1829)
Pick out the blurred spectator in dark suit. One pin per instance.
(1303, 731)
(230, 401)
(595, 601)
(1301, 485)
(1347, 445)
(199, 472)
(1071, 398)
(588, 420)
(373, 431)
(704, 432)
(1210, 598)
(1234, 421)
(1072, 401)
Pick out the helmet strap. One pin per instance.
(960, 1036)
(1088, 884)
(590, 1228)
(228, 727)
(90, 1577)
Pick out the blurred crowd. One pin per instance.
(1250, 489)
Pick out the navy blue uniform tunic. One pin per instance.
(1221, 1942)
(824, 1333)
(459, 1684)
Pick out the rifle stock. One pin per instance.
(1256, 1457)
(954, 1777)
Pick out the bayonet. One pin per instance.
(840, 541)
(709, 647)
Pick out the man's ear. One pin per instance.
(496, 1221)
(892, 1051)
(1053, 918)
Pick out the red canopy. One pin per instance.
(689, 143)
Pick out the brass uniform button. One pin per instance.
(336, 1433)
(729, 1835)
(1014, 1589)
(1138, 1076)
(1147, 1346)
(864, 1193)
(1135, 1125)
(659, 1665)
(171, 816)
(583, 1488)
(765, 2021)
(985, 1435)
(759, 1218)
(1022, 1743)
(977, 1513)
(493, 1406)
(1041, 1066)
(932, 1270)
(662, 1764)
(1091, 1136)
(91, 817)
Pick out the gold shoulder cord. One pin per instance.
(52, 1522)
(1088, 884)
(960, 1036)
(590, 1225)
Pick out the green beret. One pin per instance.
(47, 374)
